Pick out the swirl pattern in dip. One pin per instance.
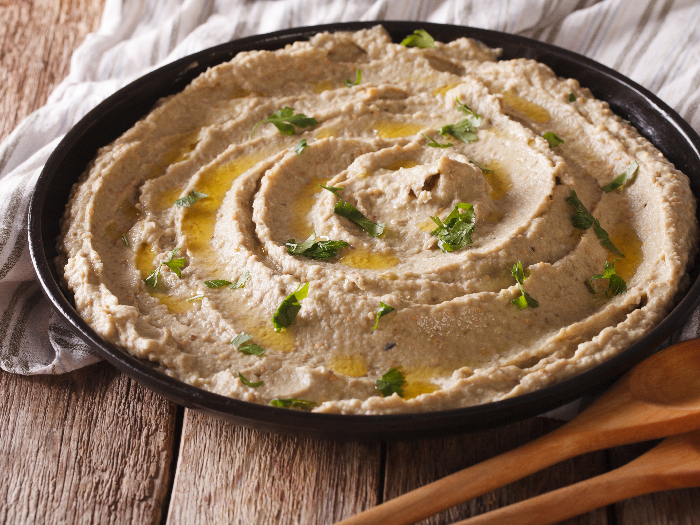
(454, 333)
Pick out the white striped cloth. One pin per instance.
(656, 43)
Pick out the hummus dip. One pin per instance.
(195, 199)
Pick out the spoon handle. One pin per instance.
(673, 464)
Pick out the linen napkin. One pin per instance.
(657, 44)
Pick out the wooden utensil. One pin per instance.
(672, 464)
(659, 397)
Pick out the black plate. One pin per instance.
(654, 119)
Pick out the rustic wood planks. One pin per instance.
(229, 474)
(92, 446)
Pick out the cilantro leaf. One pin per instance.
(301, 146)
(464, 130)
(483, 168)
(217, 283)
(383, 310)
(289, 308)
(347, 210)
(616, 284)
(190, 199)
(391, 383)
(285, 120)
(249, 349)
(420, 38)
(314, 249)
(553, 139)
(583, 220)
(525, 299)
(358, 79)
(195, 298)
(434, 144)
(572, 97)
(293, 403)
(622, 178)
(455, 232)
(125, 240)
(248, 383)
(176, 265)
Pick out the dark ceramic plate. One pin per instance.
(654, 119)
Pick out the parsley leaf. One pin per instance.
(314, 249)
(347, 210)
(464, 130)
(249, 349)
(524, 300)
(301, 146)
(390, 383)
(420, 38)
(553, 139)
(289, 308)
(474, 117)
(190, 199)
(350, 83)
(622, 178)
(572, 97)
(195, 298)
(285, 120)
(616, 284)
(293, 403)
(455, 232)
(248, 383)
(175, 265)
(125, 240)
(583, 220)
(383, 310)
(483, 168)
(434, 144)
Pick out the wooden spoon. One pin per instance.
(672, 464)
(659, 397)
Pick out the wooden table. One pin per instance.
(94, 446)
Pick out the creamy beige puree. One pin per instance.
(455, 336)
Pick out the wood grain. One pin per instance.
(229, 474)
(662, 508)
(92, 446)
(37, 38)
(410, 465)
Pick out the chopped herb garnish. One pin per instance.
(464, 130)
(524, 300)
(285, 120)
(434, 144)
(249, 349)
(616, 284)
(190, 199)
(455, 232)
(314, 249)
(391, 383)
(583, 220)
(420, 38)
(572, 97)
(248, 383)
(293, 403)
(195, 298)
(475, 117)
(347, 210)
(622, 178)
(218, 283)
(483, 168)
(175, 265)
(125, 240)
(301, 146)
(358, 79)
(553, 139)
(289, 308)
(383, 310)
